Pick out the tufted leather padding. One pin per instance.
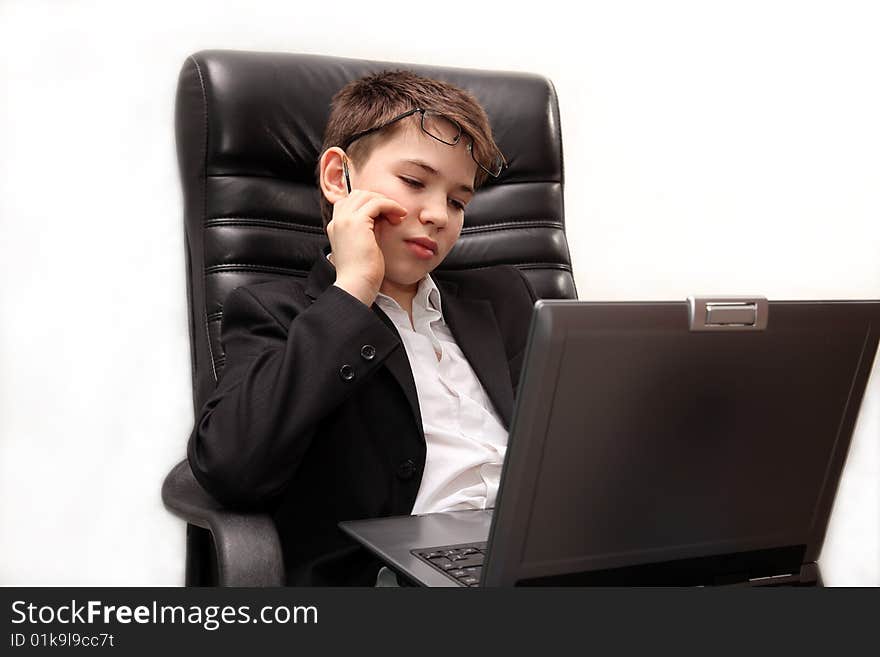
(249, 128)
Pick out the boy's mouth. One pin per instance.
(425, 242)
(422, 247)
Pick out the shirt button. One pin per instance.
(368, 351)
(406, 469)
(346, 372)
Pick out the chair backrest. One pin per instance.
(249, 128)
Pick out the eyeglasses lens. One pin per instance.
(442, 128)
(449, 132)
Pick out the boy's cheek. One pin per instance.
(383, 228)
(384, 234)
(378, 231)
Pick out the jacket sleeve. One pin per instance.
(277, 384)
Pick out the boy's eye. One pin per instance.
(458, 205)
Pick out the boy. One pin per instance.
(373, 388)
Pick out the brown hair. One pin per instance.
(374, 99)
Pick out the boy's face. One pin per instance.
(434, 200)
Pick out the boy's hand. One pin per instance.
(360, 266)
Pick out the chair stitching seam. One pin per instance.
(232, 266)
(537, 223)
(548, 265)
(267, 223)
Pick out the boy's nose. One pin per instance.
(435, 213)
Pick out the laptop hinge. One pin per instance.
(743, 579)
(807, 575)
(770, 579)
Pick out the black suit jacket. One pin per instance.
(316, 417)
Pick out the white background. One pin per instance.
(722, 147)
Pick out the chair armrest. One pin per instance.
(248, 546)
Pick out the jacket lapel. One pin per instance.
(399, 366)
(472, 322)
(322, 276)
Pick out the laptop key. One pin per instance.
(470, 560)
(462, 564)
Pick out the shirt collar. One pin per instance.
(427, 296)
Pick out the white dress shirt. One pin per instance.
(465, 438)
(464, 435)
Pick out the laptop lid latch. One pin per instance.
(727, 313)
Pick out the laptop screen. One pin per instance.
(658, 444)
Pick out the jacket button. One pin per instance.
(368, 351)
(346, 372)
(406, 469)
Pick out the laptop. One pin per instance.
(659, 443)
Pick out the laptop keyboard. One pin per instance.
(461, 563)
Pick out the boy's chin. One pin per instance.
(407, 275)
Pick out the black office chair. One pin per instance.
(249, 128)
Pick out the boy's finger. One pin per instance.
(372, 203)
(393, 210)
(385, 200)
(396, 217)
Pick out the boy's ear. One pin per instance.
(331, 174)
